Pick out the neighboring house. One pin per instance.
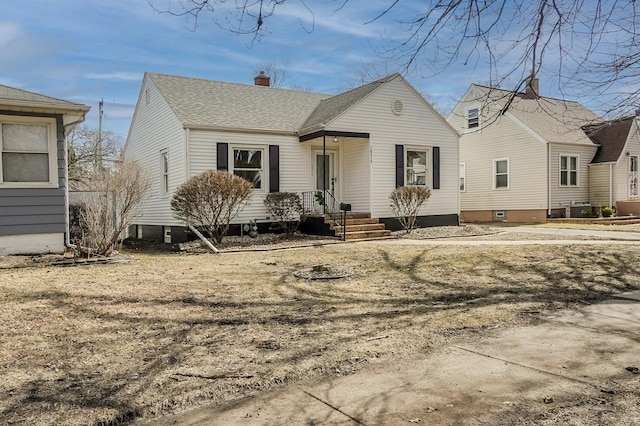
(33, 170)
(370, 139)
(613, 173)
(523, 157)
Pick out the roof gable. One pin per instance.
(330, 108)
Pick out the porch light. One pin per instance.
(335, 139)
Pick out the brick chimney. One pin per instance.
(533, 91)
(262, 79)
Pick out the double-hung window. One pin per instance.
(248, 163)
(164, 169)
(27, 152)
(501, 173)
(463, 177)
(416, 167)
(569, 170)
(473, 118)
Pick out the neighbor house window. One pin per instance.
(568, 170)
(501, 173)
(473, 118)
(248, 164)
(164, 169)
(27, 151)
(416, 167)
(463, 177)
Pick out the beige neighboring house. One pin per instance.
(371, 140)
(613, 173)
(526, 164)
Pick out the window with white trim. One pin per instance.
(248, 163)
(501, 173)
(164, 170)
(28, 152)
(473, 118)
(569, 170)
(463, 177)
(416, 167)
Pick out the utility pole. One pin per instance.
(99, 164)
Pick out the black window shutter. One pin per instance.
(274, 168)
(399, 166)
(222, 159)
(436, 167)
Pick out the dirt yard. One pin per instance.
(104, 344)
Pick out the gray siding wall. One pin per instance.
(35, 211)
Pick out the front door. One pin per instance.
(633, 176)
(325, 171)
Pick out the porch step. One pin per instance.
(362, 235)
(360, 226)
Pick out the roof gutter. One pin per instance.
(239, 130)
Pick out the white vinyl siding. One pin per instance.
(295, 157)
(154, 126)
(579, 193)
(355, 174)
(417, 126)
(28, 152)
(527, 166)
(599, 188)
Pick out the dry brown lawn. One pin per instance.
(105, 344)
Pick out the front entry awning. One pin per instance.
(332, 133)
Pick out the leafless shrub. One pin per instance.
(111, 207)
(285, 207)
(406, 202)
(211, 200)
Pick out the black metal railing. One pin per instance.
(322, 202)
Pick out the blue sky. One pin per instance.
(87, 50)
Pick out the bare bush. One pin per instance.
(286, 208)
(406, 202)
(211, 200)
(110, 208)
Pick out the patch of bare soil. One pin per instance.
(104, 344)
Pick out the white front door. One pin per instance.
(633, 176)
(325, 171)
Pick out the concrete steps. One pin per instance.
(359, 226)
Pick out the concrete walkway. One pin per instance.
(570, 355)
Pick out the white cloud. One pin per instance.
(126, 76)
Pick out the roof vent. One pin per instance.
(397, 107)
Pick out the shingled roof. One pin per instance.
(611, 136)
(12, 96)
(216, 104)
(554, 120)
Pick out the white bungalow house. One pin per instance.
(370, 139)
(33, 171)
(613, 172)
(523, 157)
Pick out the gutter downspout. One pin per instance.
(610, 184)
(324, 171)
(548, 180)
